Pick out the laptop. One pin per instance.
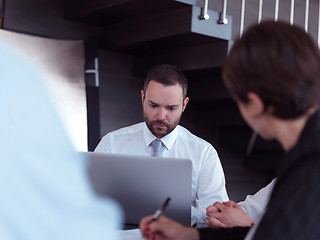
(141, 184)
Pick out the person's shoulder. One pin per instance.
(128, 130)
(189, 136)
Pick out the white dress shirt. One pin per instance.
(208, 182)
(254, 205)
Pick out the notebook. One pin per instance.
(141, 184)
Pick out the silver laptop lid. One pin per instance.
(141, 184)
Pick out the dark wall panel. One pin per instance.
(44, 18)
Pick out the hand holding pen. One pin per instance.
(158, 213)
(164, 228)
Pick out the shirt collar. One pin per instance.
(167, 140)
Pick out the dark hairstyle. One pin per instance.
(167, 75)
(280, 63)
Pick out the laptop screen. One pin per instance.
(141, 184)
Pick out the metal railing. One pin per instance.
(242, 8)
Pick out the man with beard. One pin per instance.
(164, 98)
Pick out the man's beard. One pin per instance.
(160, 132)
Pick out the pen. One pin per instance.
(157, 214)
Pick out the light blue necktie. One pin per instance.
(156, 145)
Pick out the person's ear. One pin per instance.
(142, 96)
(185, 102)
(255, 104)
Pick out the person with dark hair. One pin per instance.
(273, 73)
(164, 99)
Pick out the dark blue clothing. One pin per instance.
(294, 207)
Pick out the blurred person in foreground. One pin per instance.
(45, 193)
(273, 73)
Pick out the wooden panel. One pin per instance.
(173, 29)
(104, 12)
(147, 28)
(206, 56)
(1, 13)
(44, 18)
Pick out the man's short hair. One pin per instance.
(167, 75)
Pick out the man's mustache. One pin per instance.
(160, 122)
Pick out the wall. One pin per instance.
(44, 18)
(1, 12)
(120, 101)
(62, 61)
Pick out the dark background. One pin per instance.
(129, 37)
